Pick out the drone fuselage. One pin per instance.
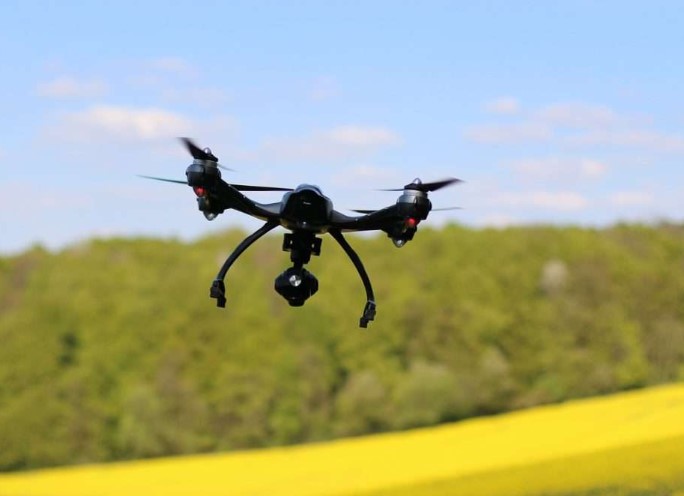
(306, 208)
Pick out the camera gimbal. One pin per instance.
(296, 284)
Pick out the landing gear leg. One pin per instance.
(369, 309)
(218, 288)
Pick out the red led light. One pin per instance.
(199, 191)
(411, 223)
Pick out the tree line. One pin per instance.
(112, 349)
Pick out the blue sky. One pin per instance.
(552, 112)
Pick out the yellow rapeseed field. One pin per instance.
(635, 437)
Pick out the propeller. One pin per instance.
(164, 179)
(239, 187)
(419, 185)
(202, 154)
(366, 212)
(247, 187)
(197, 152)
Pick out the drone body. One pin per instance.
(307, 213)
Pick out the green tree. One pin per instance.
(428, 394)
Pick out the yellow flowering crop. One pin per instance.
(581, 437)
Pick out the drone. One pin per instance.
(306, 213)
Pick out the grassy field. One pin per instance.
(632, 443)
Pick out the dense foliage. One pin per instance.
(112, 349)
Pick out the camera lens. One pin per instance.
(296, 285)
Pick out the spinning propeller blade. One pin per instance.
(417, 184)
(239, 187)
(247, 187)
(366, 212)
(202, 154)
(197, 152)
(164, 179)
(444, 209)
(206, 155)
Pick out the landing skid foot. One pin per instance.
(368, 314)
(218, 292)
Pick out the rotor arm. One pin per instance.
(218, 288)
(369, 310)
(370, 221)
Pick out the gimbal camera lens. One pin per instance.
(296, 285)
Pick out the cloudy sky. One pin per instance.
(555, 112)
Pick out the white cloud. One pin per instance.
(577, 115)
(576, 124)
(361, 136)
(176, 65)
(510, 134)
(561, 200)
(559, 168)
(592, 168)
(542, 125)
(342, 142)
(119, 123)
(161, 73)
(630, 198)
(503, 105)
(646, 139)
(368, 175)
(51, 198)
(203, 97)
(66, 87)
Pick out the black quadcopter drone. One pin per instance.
(306, 212)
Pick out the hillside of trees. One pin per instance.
(112, 349)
